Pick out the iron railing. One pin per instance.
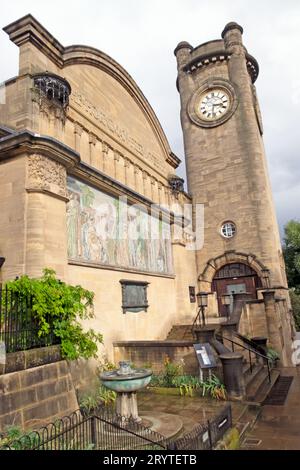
(258, 355)
(205, 436)
(107, 431)
(103, 431)
(18, 325)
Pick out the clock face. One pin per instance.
(213, 104)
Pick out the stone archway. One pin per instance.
(235, 278)
(234, 272)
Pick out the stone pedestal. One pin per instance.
(233, 375)
(126, 406)
(261, 342)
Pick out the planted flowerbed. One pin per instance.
(172, 381)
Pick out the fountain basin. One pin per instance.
(127, 384)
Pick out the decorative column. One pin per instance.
(77, 132)
(160, 198)
(46, 228)
(92, 145)
(116, 164)
(144, 174)
(105, 149)
(167, 195)
(136, 178)
(126, 169)
(152, 181)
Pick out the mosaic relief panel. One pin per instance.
(103, 229)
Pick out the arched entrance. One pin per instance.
(235, 278)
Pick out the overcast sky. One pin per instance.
(142, 34)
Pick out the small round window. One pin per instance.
(228, 229)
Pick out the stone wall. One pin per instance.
(34, 397)
(153, 353)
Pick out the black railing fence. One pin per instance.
(18, 325)
(205, 436)
(103, 431)
(107, 431)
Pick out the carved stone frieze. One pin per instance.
(44, 174)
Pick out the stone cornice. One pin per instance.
(28, 143)
(4, 131)
(28, 29)
(173, 160)
(205, 59)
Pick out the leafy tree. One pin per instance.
(295, 300)
(291, 252)
(59, 307)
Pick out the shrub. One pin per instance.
(295, 300)
(214, 387)
(57, 307)
(102, 397)
(273, 355)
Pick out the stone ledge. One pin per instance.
(155, 344)
(23, 360)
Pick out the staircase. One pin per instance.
(257, 381)
(259, 374)
(181, 332)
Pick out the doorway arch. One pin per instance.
(233, 278)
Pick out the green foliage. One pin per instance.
(273, 355)
(173, 377)
(187, 384)
(171, 370)
(214, 388)
(59, 307)
(291, 253)
(15, 438)
(295, 301)
(101, 397)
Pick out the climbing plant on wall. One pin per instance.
(59, 308)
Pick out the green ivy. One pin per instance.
(58, 307)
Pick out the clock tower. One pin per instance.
(226, 167)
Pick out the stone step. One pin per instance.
(181, 332)
(250, 376)
(254, 385)
(265, 388)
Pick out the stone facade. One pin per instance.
(227, 169)
(106, 136)
(73, 112)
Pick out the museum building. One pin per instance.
(87, 176)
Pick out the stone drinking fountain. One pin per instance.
(126, 381)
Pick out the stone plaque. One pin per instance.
(134, 296)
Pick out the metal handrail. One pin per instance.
(250, 350)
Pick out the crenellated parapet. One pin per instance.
(213, 52)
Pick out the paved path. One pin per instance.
(191, 410)
(278, 427)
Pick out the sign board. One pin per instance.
(205, 355)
